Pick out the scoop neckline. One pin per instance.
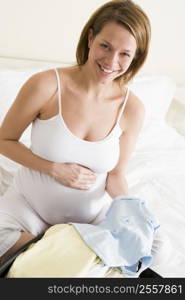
(61, 119)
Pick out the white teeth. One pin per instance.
(106, 70)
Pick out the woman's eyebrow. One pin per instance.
(125, 50)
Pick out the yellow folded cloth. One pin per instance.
(61, 252)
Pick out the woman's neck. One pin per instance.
(90, 85)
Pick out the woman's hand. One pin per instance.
(73, 175)
(116, 184)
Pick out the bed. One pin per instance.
(156, 170)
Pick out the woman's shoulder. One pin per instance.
(134, 104)
(46, 79)
(134, 111)
(43, 81)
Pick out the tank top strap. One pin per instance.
(123, 105)
(59, 91)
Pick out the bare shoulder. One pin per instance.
(38, 90)
(44, 81)
(134, 104)
(31, 98)
(134, 112)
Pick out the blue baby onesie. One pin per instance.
(124, 238)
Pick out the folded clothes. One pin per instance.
(124, 238)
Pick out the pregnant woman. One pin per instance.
(85, 123)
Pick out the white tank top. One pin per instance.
(51, 139)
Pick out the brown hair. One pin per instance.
(127, 14)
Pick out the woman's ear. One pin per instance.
(90, 37)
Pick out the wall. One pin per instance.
(49, 30)
(167, 51)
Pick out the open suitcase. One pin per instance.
(6, 265)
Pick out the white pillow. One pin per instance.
(156, 92)
(176, 116)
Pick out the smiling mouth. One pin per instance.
(106, 71)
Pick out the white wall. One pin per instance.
(49, 30)
(167, 51)
(43, 29)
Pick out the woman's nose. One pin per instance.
(112, 61)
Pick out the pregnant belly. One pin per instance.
(56, 203)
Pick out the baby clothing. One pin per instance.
(125, 237)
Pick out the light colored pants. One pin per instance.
(17, 216)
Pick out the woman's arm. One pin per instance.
(131, 123)
(116, 185)
(33, 95)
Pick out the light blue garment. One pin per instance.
(124, 238)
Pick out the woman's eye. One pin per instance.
(104, 46)
(125, 54)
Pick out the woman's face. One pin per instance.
(111, 52)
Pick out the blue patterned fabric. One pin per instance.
(124, 238)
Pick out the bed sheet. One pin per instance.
(156, 173)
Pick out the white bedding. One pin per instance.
(156, 173)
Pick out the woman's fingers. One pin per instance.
(75, 176)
